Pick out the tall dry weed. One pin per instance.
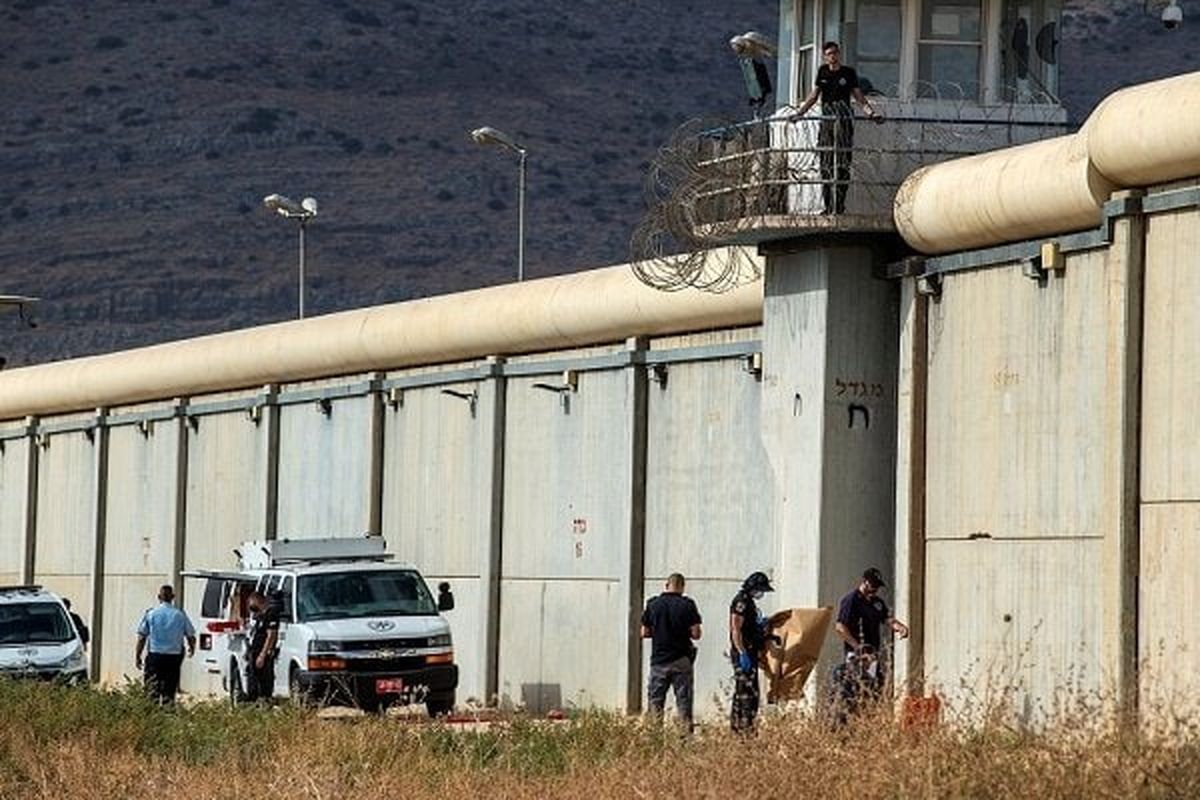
(57, 742)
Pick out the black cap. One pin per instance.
(874, 577)
(757, 582)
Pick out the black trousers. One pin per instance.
(260, 683)
(162, 675)
(835, 141)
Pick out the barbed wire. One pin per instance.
(716, 182)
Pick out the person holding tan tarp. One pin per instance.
(794, 639)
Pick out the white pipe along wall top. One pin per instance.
(593, 307)
(1138, 136)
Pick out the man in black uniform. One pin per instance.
(747, 638)
(262, 635)
(672, 622)
(835, 85)
(80, 626)
(861, 613)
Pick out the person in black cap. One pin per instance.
(861, 613)
(747, 638)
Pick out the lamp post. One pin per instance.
(491, 136)
(303, 212)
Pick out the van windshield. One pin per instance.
(34, 623)
(382, 593)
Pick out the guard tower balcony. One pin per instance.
(949, 77)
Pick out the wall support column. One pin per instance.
(269, 423)
(375, 469)
(99, 437)
(182, 433)
(910, 486)
(29, 518)
(494, 543)
(1122, 449)
(829, 419)
(636, 386)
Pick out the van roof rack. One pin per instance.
(28, 588)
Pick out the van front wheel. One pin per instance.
(439, 705)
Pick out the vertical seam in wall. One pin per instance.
(183, 430)
(29, 555)
(917, 493)
(492, 569)
(1138, 228)
(639, 427)
(376, 466)
(99, 537)
(270, 416)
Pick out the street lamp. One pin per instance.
(23, 304)
(303, 212)
(490, 136)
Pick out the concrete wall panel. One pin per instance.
(1170, 467)
(709, 502)
(567, 514)
(561, 643)
(1002, 624)
(1169, 600)
(324, 464)
(14, 460)
(225, 489)
(65, 546)
(1017, 382)
(437, 477)
(140, 534)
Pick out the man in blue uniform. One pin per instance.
(861, 615)
(672, 622)
(747, 638)
(161, 636)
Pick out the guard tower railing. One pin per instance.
(787, 175)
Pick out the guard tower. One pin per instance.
(949, 78)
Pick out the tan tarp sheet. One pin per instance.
(802, 632)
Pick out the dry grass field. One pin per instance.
(78, 743)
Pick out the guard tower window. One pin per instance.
(948, 52)
(873, 38)
(1029, 51)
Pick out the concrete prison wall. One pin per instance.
(595, 471)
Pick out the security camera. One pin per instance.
(1172, 15)
(752, 44)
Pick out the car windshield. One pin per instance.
(34, 623)
(382, 593)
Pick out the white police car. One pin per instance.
(37, 637)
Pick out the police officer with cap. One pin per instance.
(747, 638)
(861, 614)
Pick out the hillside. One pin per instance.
(138, 140)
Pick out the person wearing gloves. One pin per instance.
(747, 638)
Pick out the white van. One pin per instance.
(354, 628)
(38, 638)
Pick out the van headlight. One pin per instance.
(75, 661)
(441, 640)
(318, 646)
